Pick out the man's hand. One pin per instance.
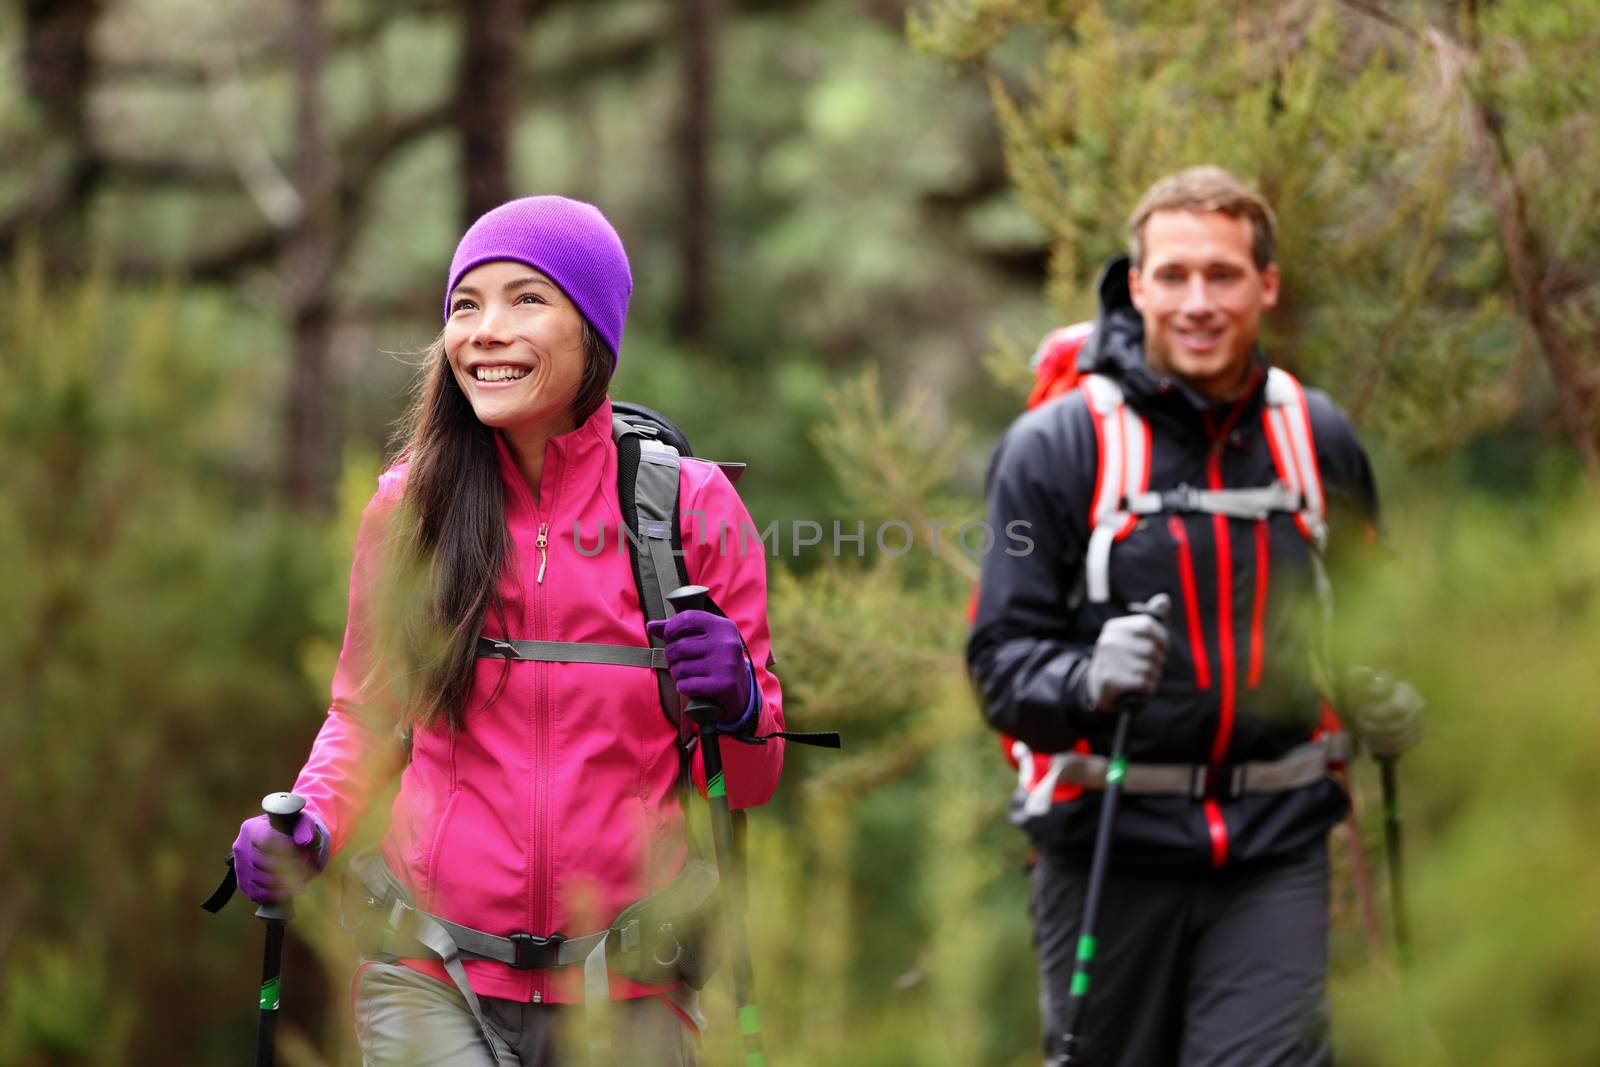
(1128, 659)
(1389, 714)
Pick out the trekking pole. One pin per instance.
(1391, 839)
(1078, 989)
(281, 809)
(695, 598)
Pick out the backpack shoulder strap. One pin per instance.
(1122, 470)
(1287, 421)
(647, 491)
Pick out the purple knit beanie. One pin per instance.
(568, 240)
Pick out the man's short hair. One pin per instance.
(1207, 188)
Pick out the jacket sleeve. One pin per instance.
(1023, 654)
(723, 554)
(357, 749)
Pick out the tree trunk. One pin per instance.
(487, 90)
(311, 442)
(58, 69)
(693, 316)
(1528, 266)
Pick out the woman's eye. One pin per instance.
(530, 298)
(460, 304)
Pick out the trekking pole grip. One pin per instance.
(696, 598)
(281, 810)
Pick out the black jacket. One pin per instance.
(1034, 634)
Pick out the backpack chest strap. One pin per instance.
(572, 652)
(1256, 503)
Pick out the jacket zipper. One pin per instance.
(1216, 824)
(540, 711)
(1259, 613)
(1226, 655)
(1191, 601)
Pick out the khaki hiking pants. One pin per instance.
(407, 1019)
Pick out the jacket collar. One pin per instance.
(585, 446)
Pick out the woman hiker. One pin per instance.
(541, 797)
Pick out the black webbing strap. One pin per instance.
(224, 891)
(816, 738)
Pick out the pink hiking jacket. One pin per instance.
(555, 808)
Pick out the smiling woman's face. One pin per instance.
(515, 344)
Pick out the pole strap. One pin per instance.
(224, 891)
(816, 738)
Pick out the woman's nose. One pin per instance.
(491, 327)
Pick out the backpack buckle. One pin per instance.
(1183, 498)
(535, 953)
(1217, 782)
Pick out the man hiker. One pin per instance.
(1182, 465)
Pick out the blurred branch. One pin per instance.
(268, 53)
(1522, 245)
(141, 170)
(365, 161)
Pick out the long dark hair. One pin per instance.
(447, 542)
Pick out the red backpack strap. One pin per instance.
(1287, 422)
(1122, 470)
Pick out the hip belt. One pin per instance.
(657, 940)
(1302, 766)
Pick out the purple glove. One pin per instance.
(271, 866)
(707, 661)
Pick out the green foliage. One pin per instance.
(1392, 238)
(169, 634)
(149, 657)
(1493, 613)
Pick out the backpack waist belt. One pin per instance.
(1302, 766)
(634, 941)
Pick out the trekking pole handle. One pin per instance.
(1157, 607)
(281, 810)
(695, 598)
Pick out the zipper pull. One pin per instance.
(544, 528)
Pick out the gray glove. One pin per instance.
(1128, 658)
(1389, 714)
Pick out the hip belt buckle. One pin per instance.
(1214, 781)
(535, 953)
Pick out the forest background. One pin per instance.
(223, 232)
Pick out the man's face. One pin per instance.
(1201, 296)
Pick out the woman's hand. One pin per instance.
(707, 659)
(271, 866)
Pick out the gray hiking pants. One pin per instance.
(407, 1019)
(1206, 969)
